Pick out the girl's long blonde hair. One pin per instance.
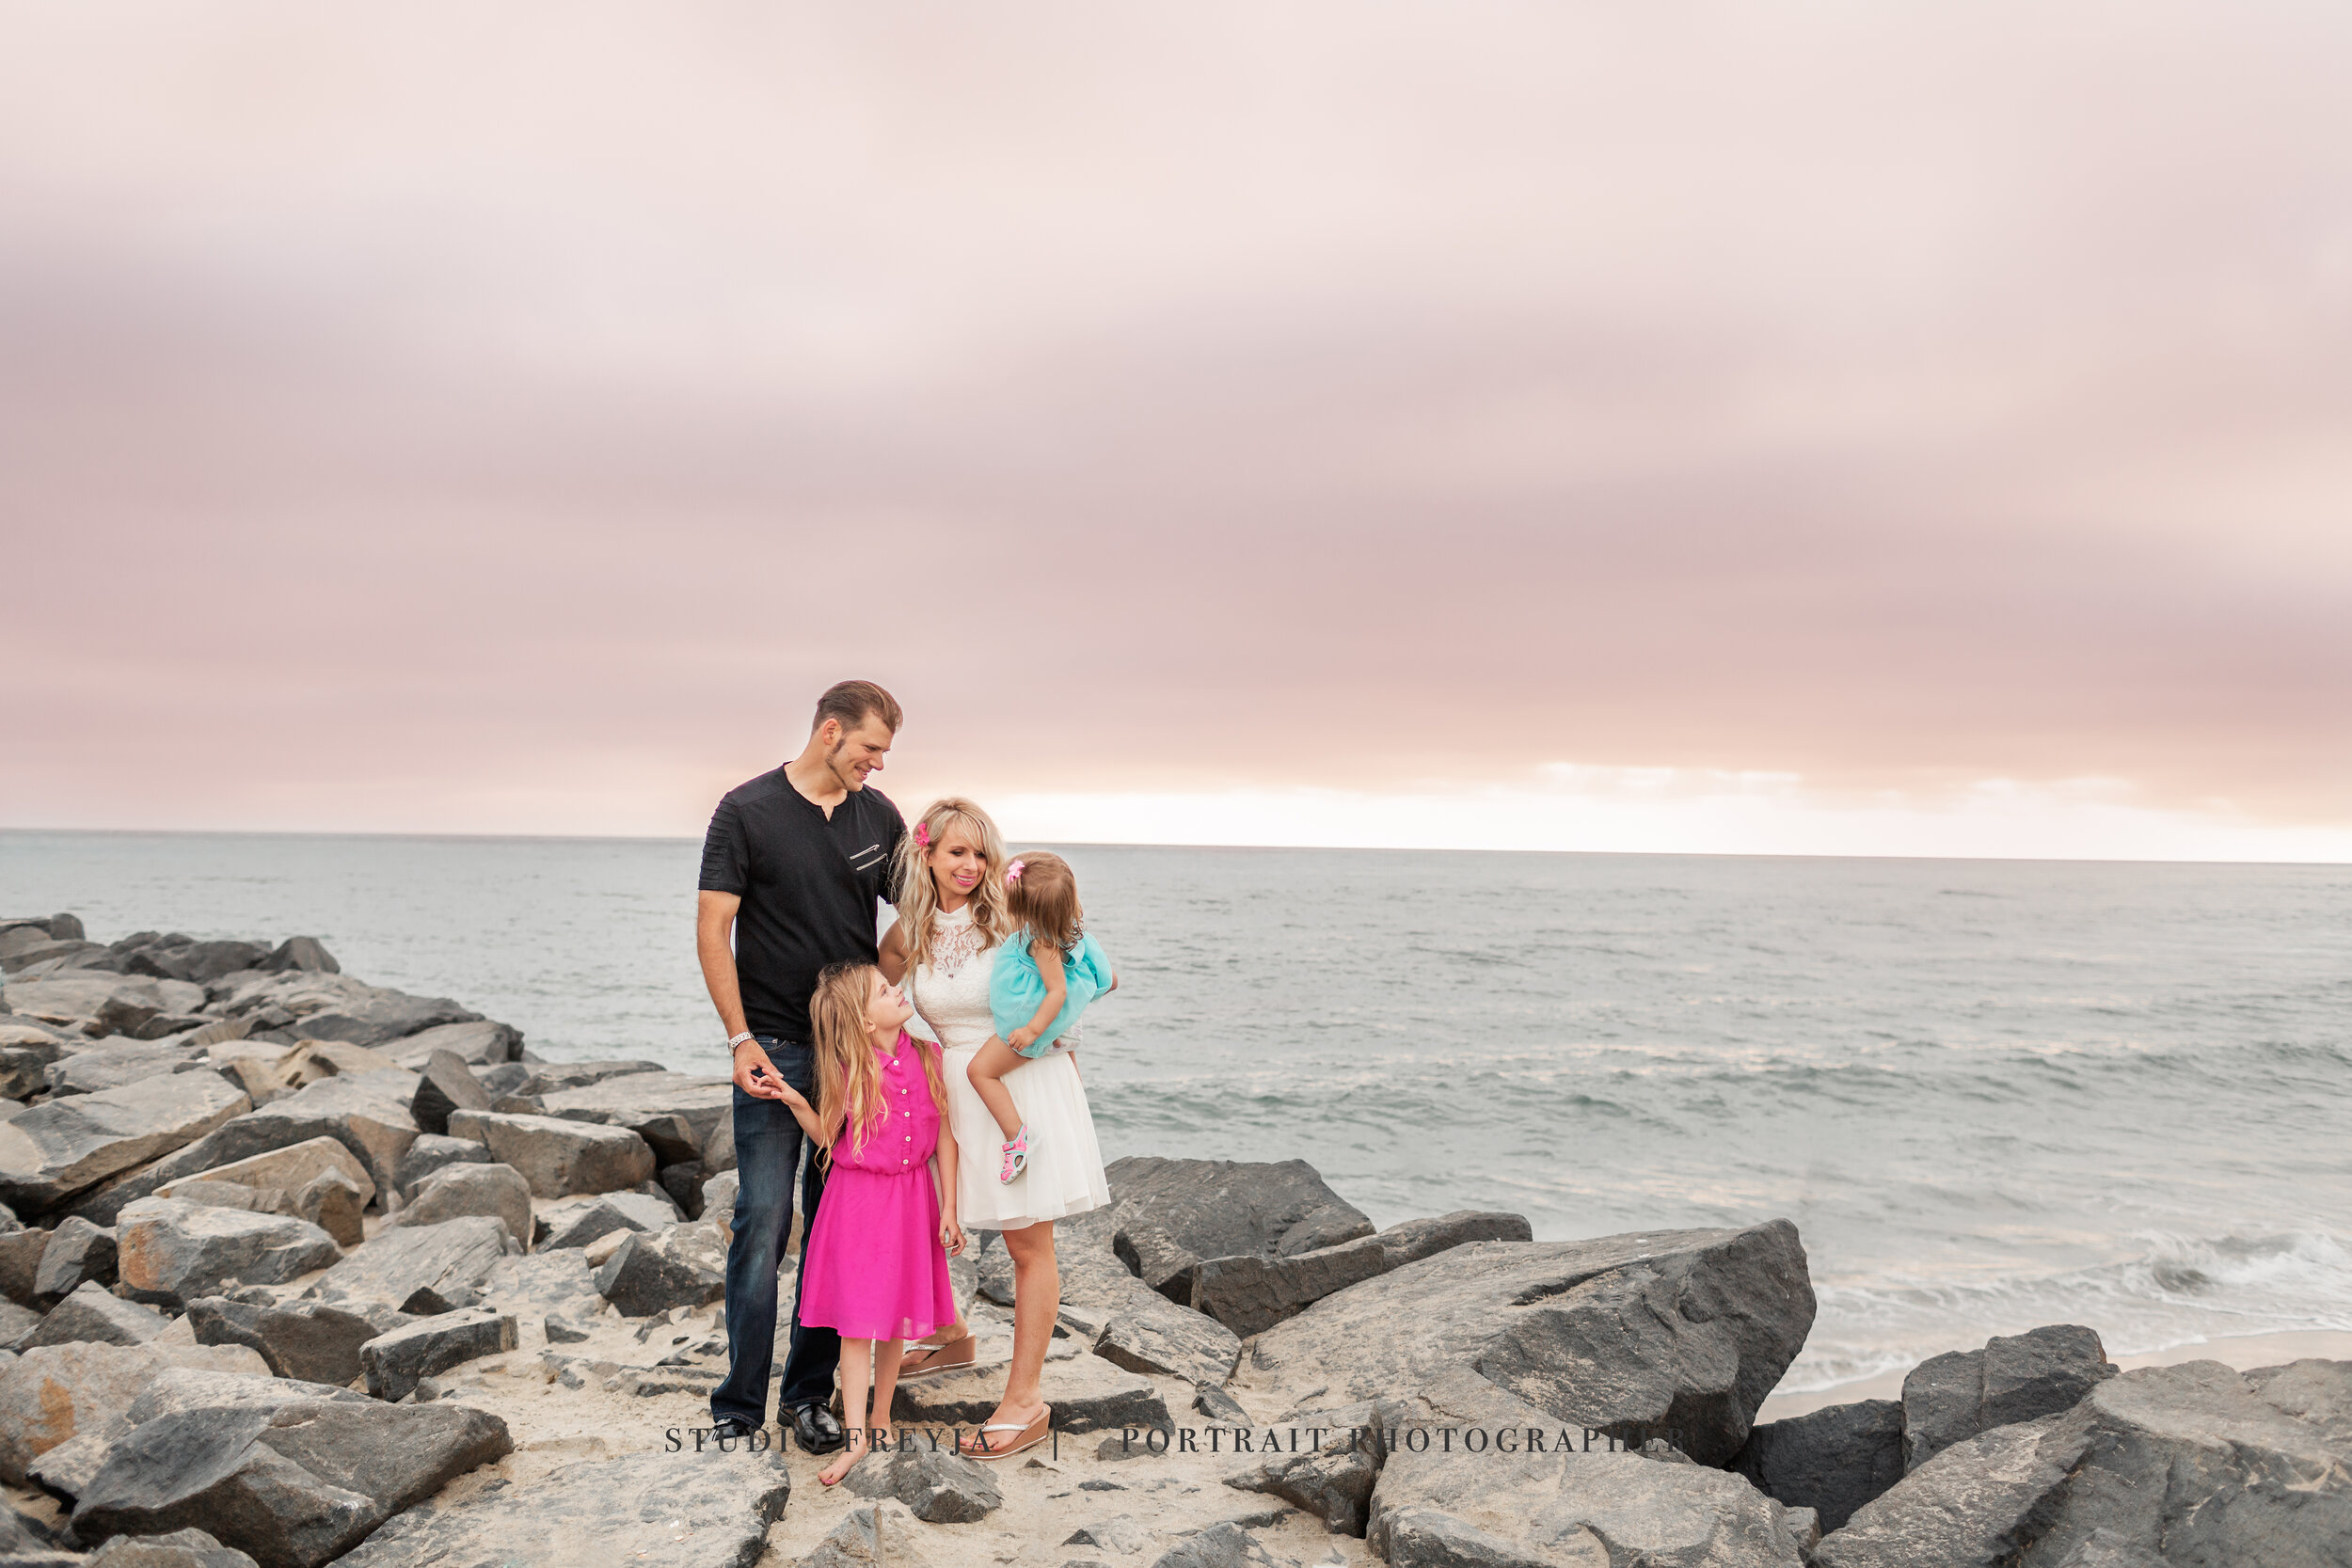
(848, 1071)
(918, 895)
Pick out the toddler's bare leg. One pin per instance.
(989, 1067)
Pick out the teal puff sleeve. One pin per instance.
(1016, 990)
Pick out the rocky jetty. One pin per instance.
(297, 1270)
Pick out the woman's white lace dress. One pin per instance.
(1065, 1169)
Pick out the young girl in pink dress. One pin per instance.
(875, 1267)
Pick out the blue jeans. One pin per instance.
(769, 1150)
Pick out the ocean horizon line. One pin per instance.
(448, 837)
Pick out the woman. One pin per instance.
(950, 932)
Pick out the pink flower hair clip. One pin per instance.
(922, 836)
(1013, 873)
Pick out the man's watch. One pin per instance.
(738, 1039)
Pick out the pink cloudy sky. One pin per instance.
(1835, 427)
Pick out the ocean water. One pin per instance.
(1990, 1095)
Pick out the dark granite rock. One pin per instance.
(558, 1156)
(1832, 1460)
(605, 1511)
(445, 1084)
(939, 1488)
(496, 1191)
(2019, 1377)
(93, 1314)
(428, 1268)
(685, 1265)
(308, 1340)
(295, 1487)
(677, 1114)
(79, 1253)
(429, 1153)
(1672, 1331)
(2188, 1464)
(54, 1151)
(171, 1251)
(393, 1362)
(301, 954)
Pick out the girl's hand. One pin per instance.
(951, 1235)
(794, 1097)
(1022, 1037)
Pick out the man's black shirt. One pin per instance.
(809, 887)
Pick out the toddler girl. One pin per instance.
(875, 1264)
(1050, 970)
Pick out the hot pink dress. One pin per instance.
(874, 1267)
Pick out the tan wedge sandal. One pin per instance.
(1025, 1437)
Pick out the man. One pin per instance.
(792, 868)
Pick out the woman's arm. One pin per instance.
(893, 962)
(1048, 958)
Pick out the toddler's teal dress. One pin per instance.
(1016, 990)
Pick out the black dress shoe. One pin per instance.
(731, 1426)
(817, 1430)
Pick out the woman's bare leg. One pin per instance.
(1035, 1303)
(989, 1066)
(857, 1361)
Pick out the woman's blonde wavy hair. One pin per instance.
(918, 895)
(848, 1071)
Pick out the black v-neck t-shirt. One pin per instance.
(809, 887)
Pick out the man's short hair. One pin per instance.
(852, 702)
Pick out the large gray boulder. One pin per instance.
(445, 1084)
(297, 1486)
(290, 1169)
(1224, 1209)
(111, 1063)
(1951, 1398)
(541, 1283)
(79, 1253)
(333, 1007)
(1472, 1474)
(21, 1253)
(619, 1510)
(310, 1340)
(558, 1156)
(1249, 1292)
(1679, 1334)
(53, 1151)
(2189, 1463)
(170, 1251)
(365, 1112)
(1832, 1460)
(550, 1077)
(453, 1191)
(677, 1112)
(427, 1269)
(683, 1265)
(395, 1361)
(580, 1223)
(939, 1488)
(481, 1045)
(1410, 1241)
(182, 1549)
(93, 1314)
(300, 952)
(79, 998)
(53, 1394)
(429, 1153)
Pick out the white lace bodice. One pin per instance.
(950, 992)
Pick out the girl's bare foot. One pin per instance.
(846, 1458)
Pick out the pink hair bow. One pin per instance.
(1013, 873)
